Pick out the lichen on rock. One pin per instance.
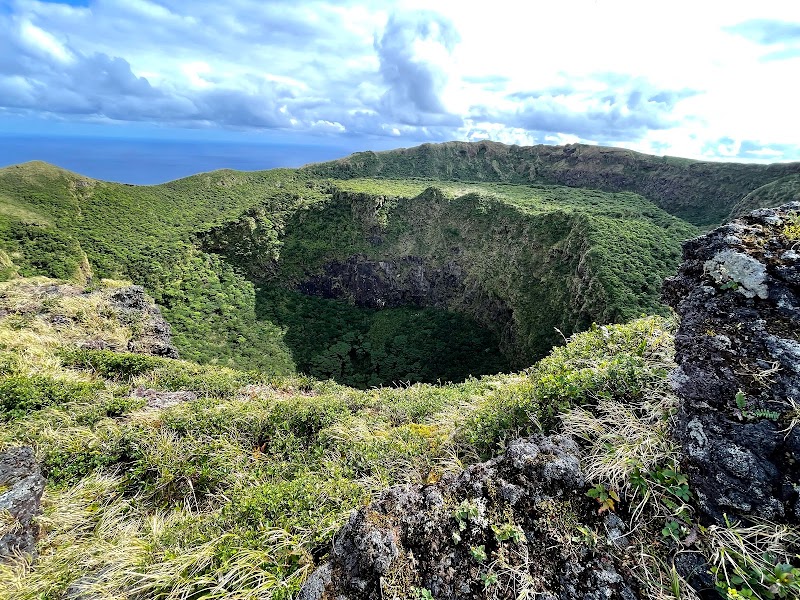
(737, 348)
(739, 271)
(21, 488)
(499, 529)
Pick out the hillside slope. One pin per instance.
(775, 193)
(267, 270)
(702, 193)
(60, 224)
(168, 479)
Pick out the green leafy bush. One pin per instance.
(23, 394)
(108, 364)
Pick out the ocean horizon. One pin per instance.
(149, 162)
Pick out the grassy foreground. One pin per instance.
(238, 492)
(173, 480)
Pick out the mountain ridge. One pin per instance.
(680, 186)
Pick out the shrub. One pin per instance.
(23, 394)
(108, 364)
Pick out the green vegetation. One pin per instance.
(232, 493)
(237, 490)
(49, 218)
(227, 473)
(792, 229)
(577, 256)
(223, 253)
(702, 193)
(362, 348)
(774, 193)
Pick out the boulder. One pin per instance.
(498, 529)
(737, 294)
(136, 308)
(21, 488)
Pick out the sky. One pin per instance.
(147, 90)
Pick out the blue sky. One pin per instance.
(80, 79)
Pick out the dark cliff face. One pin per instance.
(412, 281)
(703, 193)
(738, 351)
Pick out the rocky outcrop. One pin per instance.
(405, 281)
(21, 488)
(738, 350)
(139, 311)
(159, 399)
(68, 308)
(498, 529)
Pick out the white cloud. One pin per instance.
(41, 41)
(194, 72)
(683, 78)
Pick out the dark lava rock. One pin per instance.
(21, 488)
(136, 308)
(738, 350)
(492, 531)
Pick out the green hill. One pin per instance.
(702, 193)
(775, 193)
(266, 270)
(426, 264)
(297, 298)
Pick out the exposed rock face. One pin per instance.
(738, 351)
(21, 488)
(492, 531)
(409, 281)
(381, 284)
(136, 308)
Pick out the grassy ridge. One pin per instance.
(775, 193)
(702, 193)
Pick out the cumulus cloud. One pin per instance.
(99, 85)
(364, 68)
(602, 107)
(256, 64)
(415, 81)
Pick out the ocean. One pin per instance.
(144, 161)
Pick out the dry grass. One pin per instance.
(44, 314)
(735, 550)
